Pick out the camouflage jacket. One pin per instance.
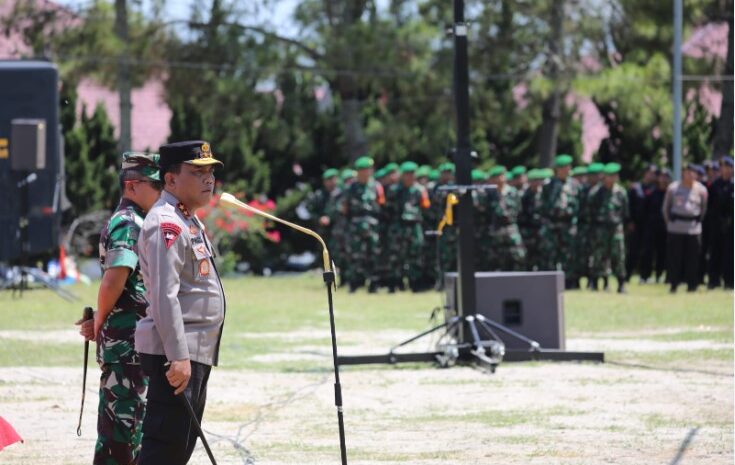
(406, 204)
(608, 207)
(323, 203)
(529, 216)
(119, 247)
(503, 206)
(560, 201)
(363, 200)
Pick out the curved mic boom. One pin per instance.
(229, 200)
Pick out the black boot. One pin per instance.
(373, 287)
(592, 285)
(621, 286)
(605, 284)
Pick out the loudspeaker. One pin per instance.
(530, 303)
(27, 144)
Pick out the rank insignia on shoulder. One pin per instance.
(170, 232)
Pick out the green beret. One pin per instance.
(446, 166)
(364, 163)
(479, 175)
(612, 168)
(145, 164)
(496, 171)
(390, 167)
(380, 173)
(563, 160)
(509, 176)
(579, 170)
(520, 169)
(423, 171)
(330, 173)
(547, 173)
(595, 168)
(433, 175)
(535, 174)
(408, 167)
(347, 173)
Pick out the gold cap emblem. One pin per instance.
(205, 152)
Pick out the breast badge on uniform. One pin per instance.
(204, 267)
(193, 230)
(170, 232)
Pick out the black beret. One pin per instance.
(194, 152)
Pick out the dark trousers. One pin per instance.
(721, 257)
(169, 436)
(683, 259)
(653, 255)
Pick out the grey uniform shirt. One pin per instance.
(186, 300)
(684, 208)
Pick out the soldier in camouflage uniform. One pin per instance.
(507, 252)
(346, 177)
(428, 223)
(559, 209)
(120, 304)
(386, 176)
(608, 207)
(361, 205)
(483, 239)
(407, 200)
(529, 221)
(581, 248)
(322, 207)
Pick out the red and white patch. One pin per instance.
(170, 232)
(204, 267)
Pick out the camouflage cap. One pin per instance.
(146, 164)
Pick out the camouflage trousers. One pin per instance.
(607, 247)
(362, 252)
(506, 252)
(404, 252)
(557, 248)
(120, 414)
(583, 250)
(532, 242)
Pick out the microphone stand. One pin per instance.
(230, 201)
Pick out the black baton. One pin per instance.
(193, 417)
(86, 316)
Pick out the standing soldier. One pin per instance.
(608, 211)
(121, 303)
(322, 207)
(721, 239)
(520, 179)
(684, 208)
(422, 175)
(503, 205)
(529, 221)
(581, 249)
(408, 200)
(179, 338)
(387, 176)
(362, 203)
(483, 239)
(559, 209)
(346, 177)
(428, 226)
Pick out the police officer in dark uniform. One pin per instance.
(721, 227)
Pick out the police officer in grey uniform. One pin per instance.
(178, 340)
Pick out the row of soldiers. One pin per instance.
(395, 227)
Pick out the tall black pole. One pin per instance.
(329, 278)
(463, 169)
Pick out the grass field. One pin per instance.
(670, 375)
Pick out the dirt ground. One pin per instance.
(539, 413)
